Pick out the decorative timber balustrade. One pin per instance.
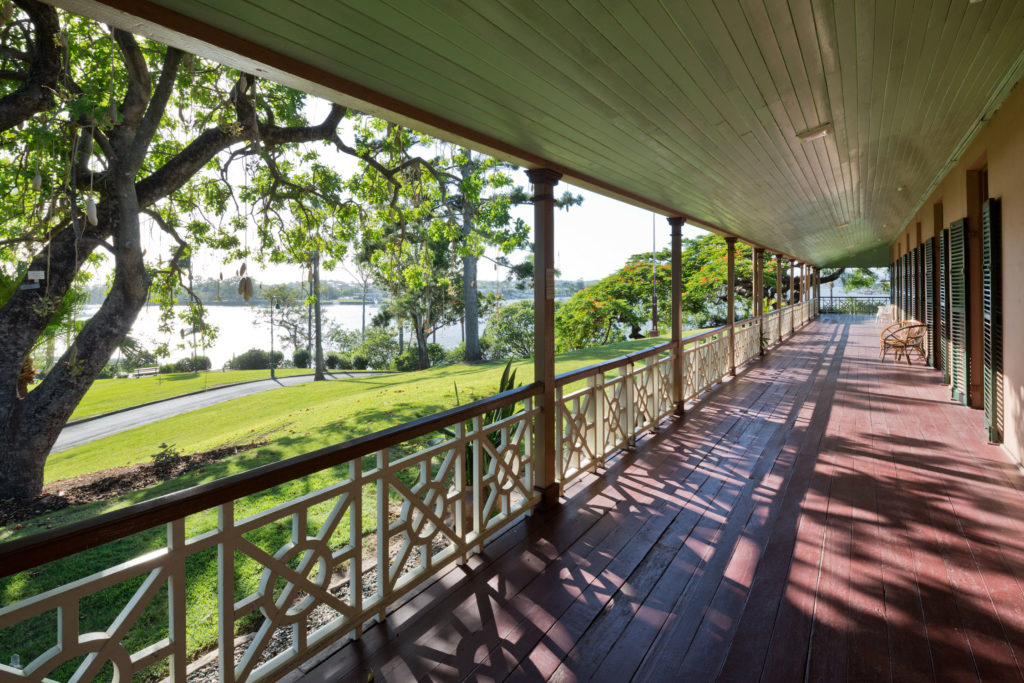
(401, 505)
(864, 305)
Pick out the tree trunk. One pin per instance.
(362, 333)
(318, 373)
(30, 426)
(423, 358)
(469, 293)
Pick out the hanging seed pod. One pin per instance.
(222, 275)
(245, 288)
(8, 11)
(90, 212)
(37, 181)
(182, 334)
(241, 271)
(186, 62)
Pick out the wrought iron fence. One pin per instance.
(852, 305)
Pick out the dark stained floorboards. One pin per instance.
(826, 516)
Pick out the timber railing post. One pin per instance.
(817, 291)
(778, 291)
(544, 181)
(730, 244)
(677, 323)
(791, 267)
(758, 295)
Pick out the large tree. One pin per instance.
(479, 199)
(404, 238)
(131, 128)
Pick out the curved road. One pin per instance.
(89, 430)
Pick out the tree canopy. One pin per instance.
(103, 134)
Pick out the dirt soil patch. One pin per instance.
(88, 488)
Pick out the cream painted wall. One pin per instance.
(1001, 144)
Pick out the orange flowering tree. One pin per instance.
(608, 310)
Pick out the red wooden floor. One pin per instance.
(825, 517)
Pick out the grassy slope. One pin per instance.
(107, 395)
(295, 420)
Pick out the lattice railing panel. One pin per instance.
(304, 572)
(747, 342)
(579, 441)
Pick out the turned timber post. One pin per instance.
(730, 244)
(791, 269)
(817, 291)
(544, 181)
(758, 295)
(676, 223)
(778, 291)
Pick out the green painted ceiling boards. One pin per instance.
(689, 107)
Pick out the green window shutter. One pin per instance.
(944, 304)
(908, 288)
(929, 296)
(992, 316)
(959, 371)
(921, 285)
(913, 283)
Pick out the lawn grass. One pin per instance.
(293, 420)
(106, 395)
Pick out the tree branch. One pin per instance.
(155, 111)
(36, 92)
(136, 97)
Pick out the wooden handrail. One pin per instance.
(609, 365)
(47, 546)
(704, 335)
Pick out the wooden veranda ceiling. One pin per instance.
(690, 108)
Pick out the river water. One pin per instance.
(239, 328)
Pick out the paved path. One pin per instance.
(83, 432)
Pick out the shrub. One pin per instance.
(510, 331)
(188, 365)
(379, 349)
(359, 361)
(255, 359)
(456, 355)
(301, 358)
(407, 360)
(436, 354)
(344, 362)
(109, 371)
(167, 368)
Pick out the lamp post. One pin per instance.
(273, 303)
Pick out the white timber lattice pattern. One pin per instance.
(332, 559)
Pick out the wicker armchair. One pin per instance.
(903, 337)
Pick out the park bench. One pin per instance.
(145, 372)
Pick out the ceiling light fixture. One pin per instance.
(815, 133)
